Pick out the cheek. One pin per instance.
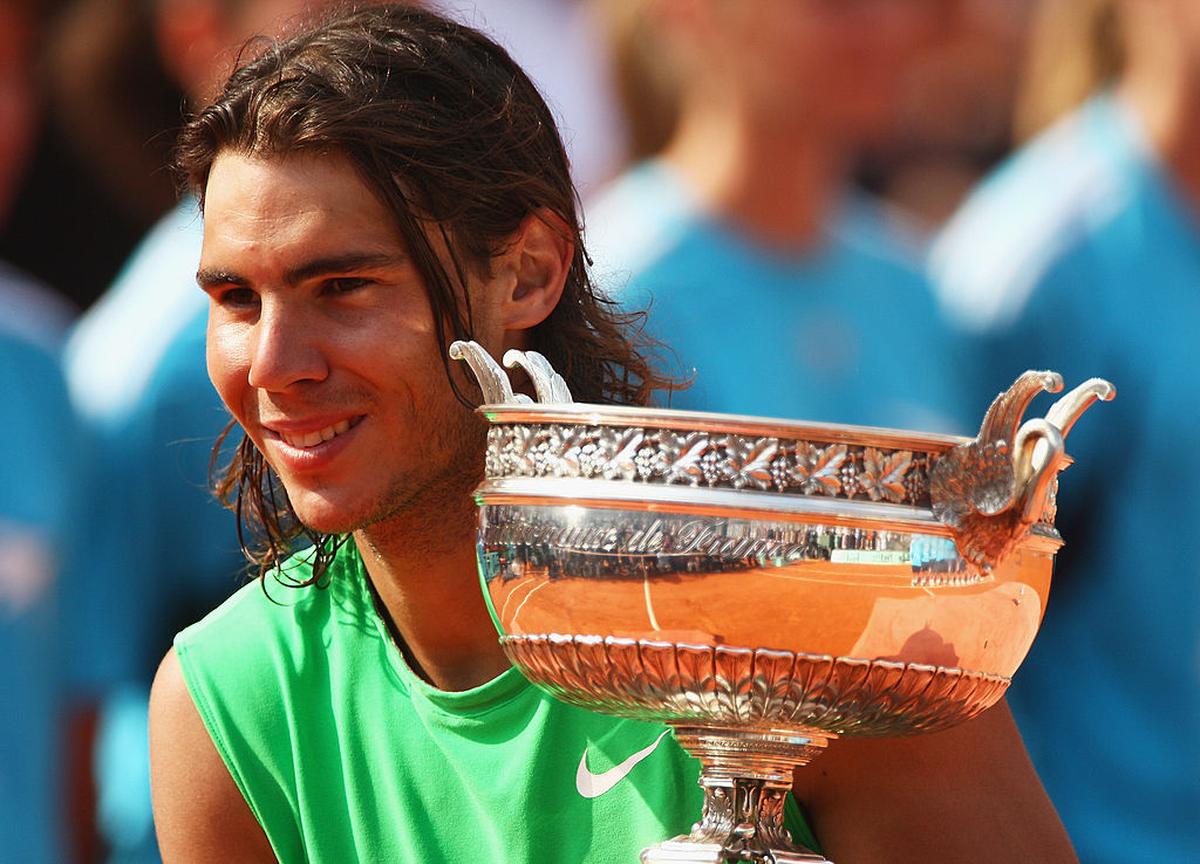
(389, 347)
(228, 362)
(409, 376)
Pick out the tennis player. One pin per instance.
(372, 190)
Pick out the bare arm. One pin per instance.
(967, 794)
(199, 814)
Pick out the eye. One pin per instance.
(344, 285)
(236, 298)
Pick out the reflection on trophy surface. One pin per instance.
(765, 586)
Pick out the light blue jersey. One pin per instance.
(848, 332)
(1078, 256)
(136, 370)
(38, 516)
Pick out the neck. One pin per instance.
(422, 564)
(772, 177)
(1162, 85)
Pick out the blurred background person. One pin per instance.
(784, 290)
(38, 516)
(38, 494)
(954, 111)
(1082, 254)
(95, 179)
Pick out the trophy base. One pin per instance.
(746, 775)
(682, 851)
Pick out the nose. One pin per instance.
(284, 351)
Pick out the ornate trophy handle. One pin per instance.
(1008, 409)
(991, 490)
(1070, 408)
(548, 384)
(1040, 454)
(493, 381)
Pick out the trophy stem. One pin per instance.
(746, 775)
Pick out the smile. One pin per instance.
(312, 439)
(304, 442)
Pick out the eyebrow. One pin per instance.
(209, 278)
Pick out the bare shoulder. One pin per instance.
(199, 813)
(966, 794)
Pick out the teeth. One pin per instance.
(312, 439)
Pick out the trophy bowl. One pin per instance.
(764, 586)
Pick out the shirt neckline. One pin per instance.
(505, 687)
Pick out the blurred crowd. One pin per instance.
(864, 211)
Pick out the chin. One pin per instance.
(328, 526)
(324, 516)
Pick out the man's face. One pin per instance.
(321, 341)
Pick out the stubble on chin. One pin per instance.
(432, 507)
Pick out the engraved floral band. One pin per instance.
(988, 490)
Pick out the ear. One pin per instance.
(533, 271)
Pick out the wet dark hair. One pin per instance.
(456, 141)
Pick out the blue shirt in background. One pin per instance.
(1078, 256)
(39, 517)
(136, 369)
(846, 332)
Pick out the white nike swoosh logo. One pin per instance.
(594, 785)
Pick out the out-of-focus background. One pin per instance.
(871, 211)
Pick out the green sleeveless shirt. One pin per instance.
(344, 754)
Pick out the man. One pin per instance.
(38, 513)
(39, 508)
(1082, 253)
(373, 190)
(786, 292)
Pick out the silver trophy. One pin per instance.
(764, 586)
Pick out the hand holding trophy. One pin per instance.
(764, 586)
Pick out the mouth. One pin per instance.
(309, 439)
